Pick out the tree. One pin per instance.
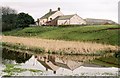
(9, 17)
(24, 20)
(8, 10)
(12, 20)
(9, 22)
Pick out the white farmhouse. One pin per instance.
(57, 18)
(44, 20)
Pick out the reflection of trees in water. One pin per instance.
(14, 55)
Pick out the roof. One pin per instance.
(65, 17)
(71, 66)
(48, 15)
(49, 65)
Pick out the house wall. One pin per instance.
(42, 21)
(58, 13)
(76, 20)
(63, 22)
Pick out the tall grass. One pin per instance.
(58, 46)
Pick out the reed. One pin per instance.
(57, 46)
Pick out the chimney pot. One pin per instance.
(50, 10)
(58, 8)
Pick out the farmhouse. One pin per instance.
(58, 18)
(54, 63)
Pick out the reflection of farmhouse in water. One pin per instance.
(50, 62)
(54, 18)
(53, 62)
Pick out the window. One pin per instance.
(50, 19)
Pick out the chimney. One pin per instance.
(58, 8)
(50, 10)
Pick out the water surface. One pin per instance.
(54, 65)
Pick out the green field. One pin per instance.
(106, 34)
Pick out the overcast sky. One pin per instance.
(102, 9)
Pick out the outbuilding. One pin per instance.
(70, 20)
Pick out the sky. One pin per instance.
(99, 9)
(119, 12)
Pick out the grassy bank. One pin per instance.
(106, 34)
(22, 47)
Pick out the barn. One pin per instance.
(92, 21)
(70, 20)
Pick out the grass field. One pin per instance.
(106, 34)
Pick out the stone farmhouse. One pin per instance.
(54, 18)
(58, 18)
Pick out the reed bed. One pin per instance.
(60, 46)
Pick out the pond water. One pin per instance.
(51, 65)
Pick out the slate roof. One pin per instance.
(68, 65)
(65, 17)
(50, 66)
(48, 15)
